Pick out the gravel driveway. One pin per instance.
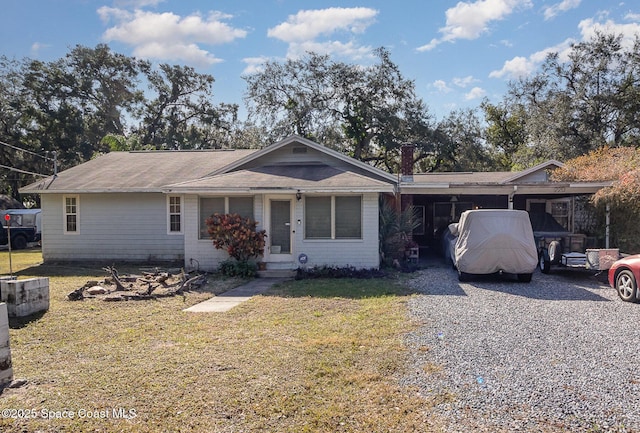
(557, 354)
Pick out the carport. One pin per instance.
(440, 198)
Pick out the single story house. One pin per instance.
(318, 206)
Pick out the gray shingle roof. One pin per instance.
(136, 171)
(463, 177)
(304, 176)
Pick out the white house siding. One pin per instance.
(359, 253)
(104, 220)
(200, 253)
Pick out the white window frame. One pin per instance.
(333, 219)
(65, 214)
(226, 209)
(170, 213)
(548, 203)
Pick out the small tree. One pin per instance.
(395, 229)
(238, 236)
(621, 166)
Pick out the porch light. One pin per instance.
(298, 195)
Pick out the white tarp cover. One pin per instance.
(495, 240)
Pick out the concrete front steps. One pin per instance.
(278, 270)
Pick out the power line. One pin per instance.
(23, 171)
(25, 150)
(54, 160)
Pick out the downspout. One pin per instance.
(511, 195)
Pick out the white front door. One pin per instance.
(279, 226)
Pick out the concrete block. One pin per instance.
(25, 297)
(6, 376)
(5, 356)
(4, 317)
(6, 370)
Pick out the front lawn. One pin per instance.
(313, 355)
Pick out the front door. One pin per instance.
(279, 239)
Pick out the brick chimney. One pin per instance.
(406, 162)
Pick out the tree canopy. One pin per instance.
(573, 106)
(621, 167)
(366, 111)
(94, 100)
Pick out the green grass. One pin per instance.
(313, 355)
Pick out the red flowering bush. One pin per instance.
(236, 234)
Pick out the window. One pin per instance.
(561, 211)
(333, 217)
(71, 221)
(419, 214)
(210, 205)
(444, 213)
(317, 218)
(348, 219)
(243, 206)
(175, 214)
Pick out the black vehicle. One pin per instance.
(20, 237)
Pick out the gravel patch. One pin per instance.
(557, 354)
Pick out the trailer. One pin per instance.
(557, 247)
(594, 259)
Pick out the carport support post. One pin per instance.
(606, 230)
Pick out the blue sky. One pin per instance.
(456, 52)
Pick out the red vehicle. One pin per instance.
(624, 275)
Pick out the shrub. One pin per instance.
(338, 272)
(235, 268)
(237, 235)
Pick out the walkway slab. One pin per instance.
(231, 298)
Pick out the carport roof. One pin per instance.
(534, 180)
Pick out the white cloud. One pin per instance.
(334, 48)
(469, 20)
(475, 93)
(36, 47)
(556, 9)
(441, 86)
(134, 4)
(589, 28)
(514, 68)
(167, 36)
(309, 24)
(304, 30)
(464, 82)
(254, 64)
(520, 67)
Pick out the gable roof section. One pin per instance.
(239, 164)
(136, 171)
(163, 171)
(302, 178)
(548, 165)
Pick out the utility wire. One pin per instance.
(25, 150)
(23, 171)
(54, 160)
